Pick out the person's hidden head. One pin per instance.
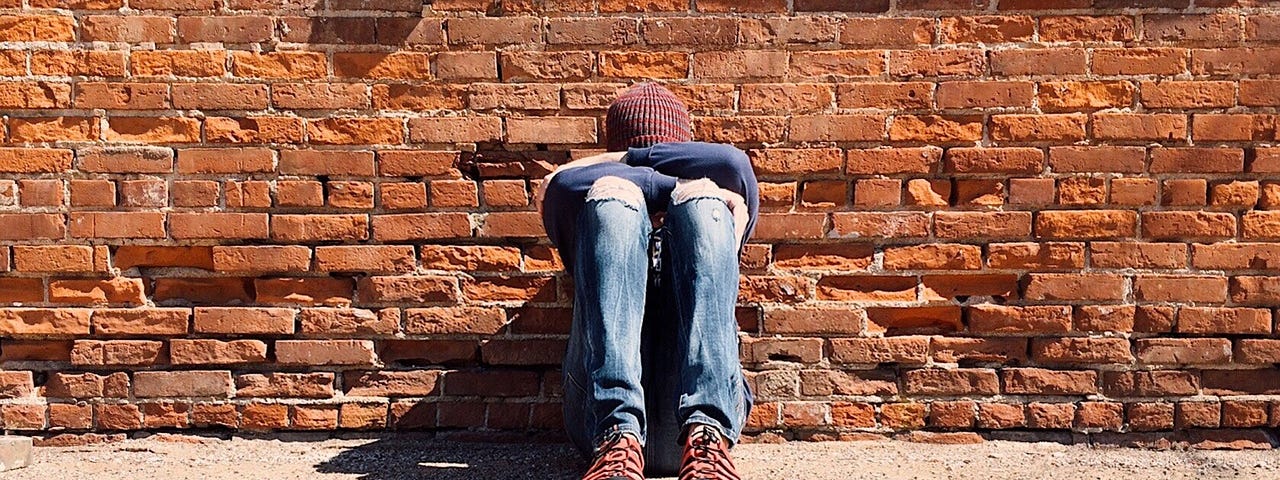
(644, 115)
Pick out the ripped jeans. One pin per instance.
(654, 344)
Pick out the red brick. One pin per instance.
(89, 63)
(1074, 96)
(201, 290)
(794, 98)
(1244, 413)
(936, 63)
(1036, 381)
(238, 29)
(314, 417)
(325, 352)
(38, 28)
(118, 416)
(454, 320)
(788, 30)
(1171, 288)
(739, 64)
(787, 350)
(261, 417)
(1205, 160)
(1001, 319)
(1086, 224)
(140, 321)
(951, 382)
(1188, 94)
(299, 385)
(903, 415)
(955, 349)
(180, 63)
(261, 259)
(987, 29)
(1072, 350)
(900, 320)
(279, 65)
(557, 130)
(1139, 61)
(1149, 383)
(880, 225)
(244, 320)
(1186, 29)
(1138, 255)
(592, 31)
(362, 416)
(1212, 320)
(994, 160)
(1258, 93)
(871, 31)
(842, 128)
(1198, 414)
(331, 291)
(1066, 286)
(1087, 28)
(1184, 351)
(24, 321)
(494, 31)
(218, 225)
(407, 289)
(935, 129)
(900, 350)
(216, 352)
(887, 96)
(501, 383)
(195, 383)
(1039, 62)
(952, 415)
(321, 30)
(316, 228)
(1235, 61)
(303, 96)
(370, 258)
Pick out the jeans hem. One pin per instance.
(728, 433)
(599, 438)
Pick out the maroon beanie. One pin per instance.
(646, 114)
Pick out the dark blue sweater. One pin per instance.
(655, 170)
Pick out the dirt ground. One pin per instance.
(405, 457)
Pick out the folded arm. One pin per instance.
(725, 165)
(565, 193)
(656, 170)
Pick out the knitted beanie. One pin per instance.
(644, 115)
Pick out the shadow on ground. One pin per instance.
(403, 456)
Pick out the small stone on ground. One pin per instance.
(15, 452)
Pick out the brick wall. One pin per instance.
(1051, 216)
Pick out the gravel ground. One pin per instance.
(405, 457)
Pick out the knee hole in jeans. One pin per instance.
(616, 188)
(700, 188)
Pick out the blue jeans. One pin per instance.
(654, 348)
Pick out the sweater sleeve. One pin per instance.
(567, 192)
(725, 165)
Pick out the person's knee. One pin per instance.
(690, 190)
(618, 188)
